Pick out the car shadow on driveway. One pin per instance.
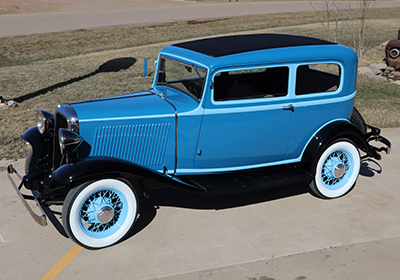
(171, 197)
(176, 198)
(55, 216)
(370, 167)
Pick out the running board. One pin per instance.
(249, 180)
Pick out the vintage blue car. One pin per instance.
(224, 114)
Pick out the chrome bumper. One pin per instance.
(40, 219)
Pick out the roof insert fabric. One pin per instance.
(228, 45)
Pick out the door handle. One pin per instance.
(289, 107)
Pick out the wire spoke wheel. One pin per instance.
(337, 170)
(100, 213)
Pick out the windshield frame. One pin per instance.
(192, 86)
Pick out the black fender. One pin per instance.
(42, 149)
(91, 168)
(331, 132)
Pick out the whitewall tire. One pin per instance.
(337, 170)
(99, 213)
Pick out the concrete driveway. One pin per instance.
(283, 233)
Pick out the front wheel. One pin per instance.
(336, 170)
(100, 213)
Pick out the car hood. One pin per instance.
(141, 104)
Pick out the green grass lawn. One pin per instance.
(61, 67)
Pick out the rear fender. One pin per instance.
(331, 132)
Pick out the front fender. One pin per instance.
(91, 168)
(42, 149)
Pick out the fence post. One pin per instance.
(145, 67)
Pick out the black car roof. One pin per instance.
(228, 45)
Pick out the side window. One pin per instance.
(253, 83)
(317, 78)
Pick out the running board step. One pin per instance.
(249, 180)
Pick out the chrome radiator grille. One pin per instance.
(143, 144)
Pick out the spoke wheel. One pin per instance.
(337, 170)
(99, 214)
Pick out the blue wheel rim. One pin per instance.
(110, 198)
(335, 159)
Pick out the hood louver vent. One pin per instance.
(143, 144)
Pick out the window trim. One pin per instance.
(188, 64)
(246, 101)
(321, 93)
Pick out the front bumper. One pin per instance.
(41, 219)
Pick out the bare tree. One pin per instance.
(333, 16)
(360, 24)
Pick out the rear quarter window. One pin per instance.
(317, 78)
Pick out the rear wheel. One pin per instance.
(99, 213)
(337, 170)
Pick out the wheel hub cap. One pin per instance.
(105, 214)
(339, 170)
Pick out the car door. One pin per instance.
(246, 123)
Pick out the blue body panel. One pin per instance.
(214, 137)
(190, 115)
(234, 137)
(139, 127)
(243, 134)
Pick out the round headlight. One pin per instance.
(68, 140)
(44, 121)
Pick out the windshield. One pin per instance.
(182, 76)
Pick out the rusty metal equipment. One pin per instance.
(393, 52)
